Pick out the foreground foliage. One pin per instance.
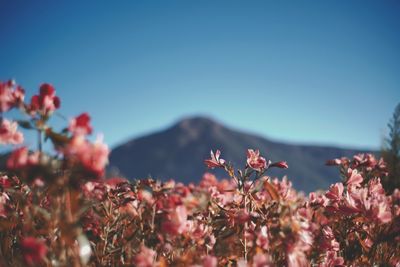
(58, 210)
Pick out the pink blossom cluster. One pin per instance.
(59, 209)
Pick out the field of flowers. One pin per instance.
(58, 209)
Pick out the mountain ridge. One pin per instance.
(178, 152)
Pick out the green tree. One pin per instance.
(391, 153)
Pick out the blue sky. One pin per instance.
(321, 72)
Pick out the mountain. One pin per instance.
(179, 151)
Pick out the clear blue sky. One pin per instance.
(325, 72)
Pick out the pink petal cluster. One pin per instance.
(46, 101)
(353, 177)
(176, 222)
(9, 133)
(21, 158)
(80, 125)
(215, 161)
(11, 95)
(255, 161)
(92, 156)
(145, 257)
(245, 220)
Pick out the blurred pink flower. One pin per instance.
(332, 260)
(261, 260)
(92, 156)
(145, 257)
(9, 133)
(33, 250)
(210, 261)
(3, 201)
(46, 102)
(333, 162)
(21, 158)
(11, 95)
(177, 222)
(80, 125)
(262, 238)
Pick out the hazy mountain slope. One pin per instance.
(178, 152)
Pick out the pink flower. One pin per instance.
(92, 156)
(349, 206)
(332, 260)
(4, 198)
(145, 257)
(255, 161)
(261, 260)
(9, 133)
(18, 95)
(10, 95)
(354, 178)
(335, 192)
(21, 158)
(177, 223)
(382, 212)
(297, 258)
(280, 164)
(215, 161)
(5, 182)
(329, 241)
(46, 102)
(33, 250)
(334, 162)
(262, 238)
(80, 125)
(317, 199)
(210, 261)
(375, 187)
(238, 217)
(208, 180)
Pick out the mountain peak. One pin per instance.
(198, 125)
(179, 151)
(197, 122)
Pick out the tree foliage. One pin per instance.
(391, 153)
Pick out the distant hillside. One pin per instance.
(178, 152)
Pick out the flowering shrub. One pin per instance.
(58, 210)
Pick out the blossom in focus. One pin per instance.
(9, 133)
(335, 192)
(33, 250)
(353, 177)
(46, 102)
(80, 125)
(255, 161)
(215, 161)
